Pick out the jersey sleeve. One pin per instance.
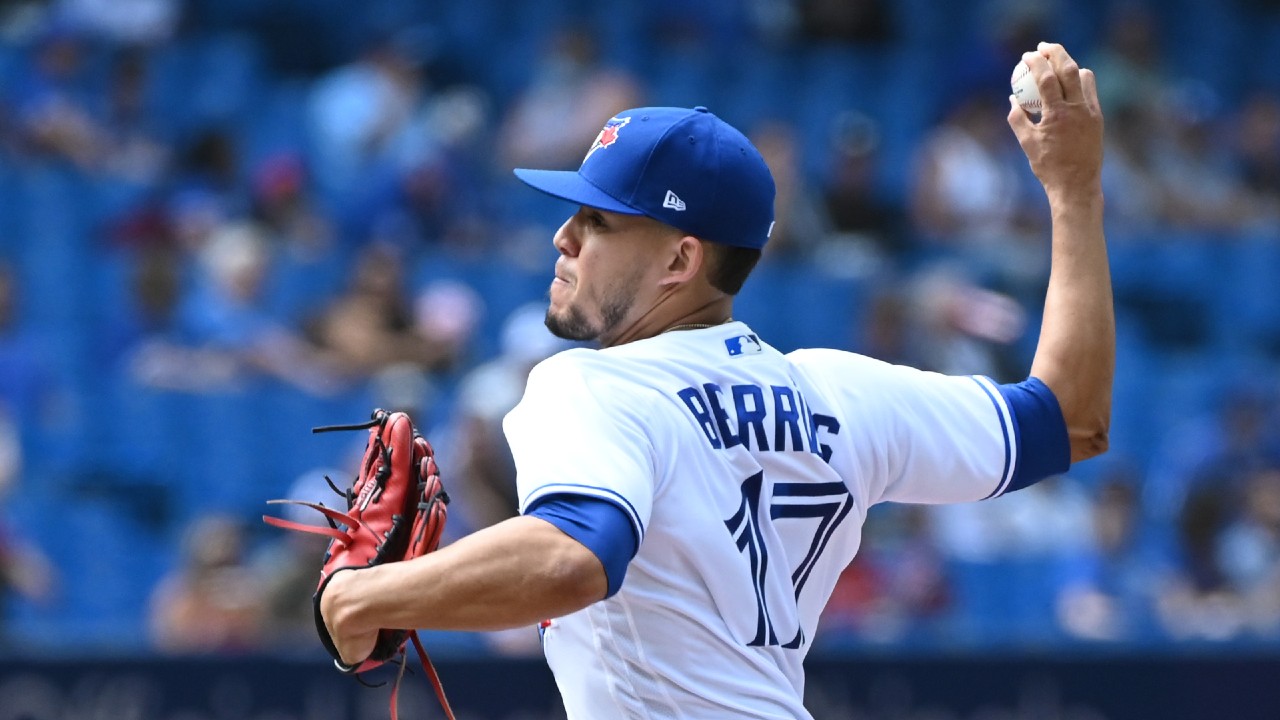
(924, 437)
(575, 432)
(601, 526)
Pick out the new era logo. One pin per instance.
(743, 345)
(673, 201)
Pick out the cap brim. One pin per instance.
(569, 185)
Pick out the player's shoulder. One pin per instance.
(862, 375)
(571, 363)
(583, 368)
(843, 360)
(588, 381)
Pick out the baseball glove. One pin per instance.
(396, 510)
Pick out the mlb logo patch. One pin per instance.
(743, 345)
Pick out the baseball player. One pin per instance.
(689, 494)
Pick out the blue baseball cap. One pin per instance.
(683, 167)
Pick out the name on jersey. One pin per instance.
(775, 418)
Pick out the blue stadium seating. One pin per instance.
(1196, 313)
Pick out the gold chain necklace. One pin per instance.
(695, 326)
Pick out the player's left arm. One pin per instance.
(1075, 356)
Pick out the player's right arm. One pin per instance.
(1075, 356)
(585, 478)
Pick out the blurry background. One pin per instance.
(223, 221)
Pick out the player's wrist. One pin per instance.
(338, 605)
(1083, 199)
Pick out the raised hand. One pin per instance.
(1065, 147)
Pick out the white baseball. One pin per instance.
(1025, 90)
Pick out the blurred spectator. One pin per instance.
(1004, 30)
(1134, 88)
(358, 111)
(970, 193)
(1166, 169)
(960, 328)
(1206, 189)
(966, 188)
(886, 332)
(1051, 519)
(560, 111)
(1199, 601)
(52, 100)
(134, 150)
(479, 471)
(25, 571)
(448, 312)
(286, 211)
(1214, 449)
(1003, 555)
(374, 323)
(1137, 199)
(1249, 551)
(207, 189)
(1129, 65)
(288, 567)
(149, 342)
(398, 156)
(1227, 581)
(898, 583)
(437, 193)
(1106, 592)
(799, 224)
(212, 602)
(939, 319)
(300, 233)
(858, 210)
(1257, 149)
(480, 463)
(225, 313)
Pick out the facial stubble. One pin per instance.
(573, 323)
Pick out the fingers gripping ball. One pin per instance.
(1025, 90)
(395, 510)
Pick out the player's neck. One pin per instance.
(674, 317)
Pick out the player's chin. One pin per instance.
(570, 323)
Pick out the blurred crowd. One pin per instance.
(310, 207)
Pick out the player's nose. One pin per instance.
(564, 240)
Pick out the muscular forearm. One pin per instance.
(515, 573)
(1076, 352)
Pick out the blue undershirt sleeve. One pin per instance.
(603, 527)
(1039, 431)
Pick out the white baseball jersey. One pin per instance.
(747, 475)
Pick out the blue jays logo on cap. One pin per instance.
(608, 135)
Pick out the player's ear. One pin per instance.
(685, 260)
